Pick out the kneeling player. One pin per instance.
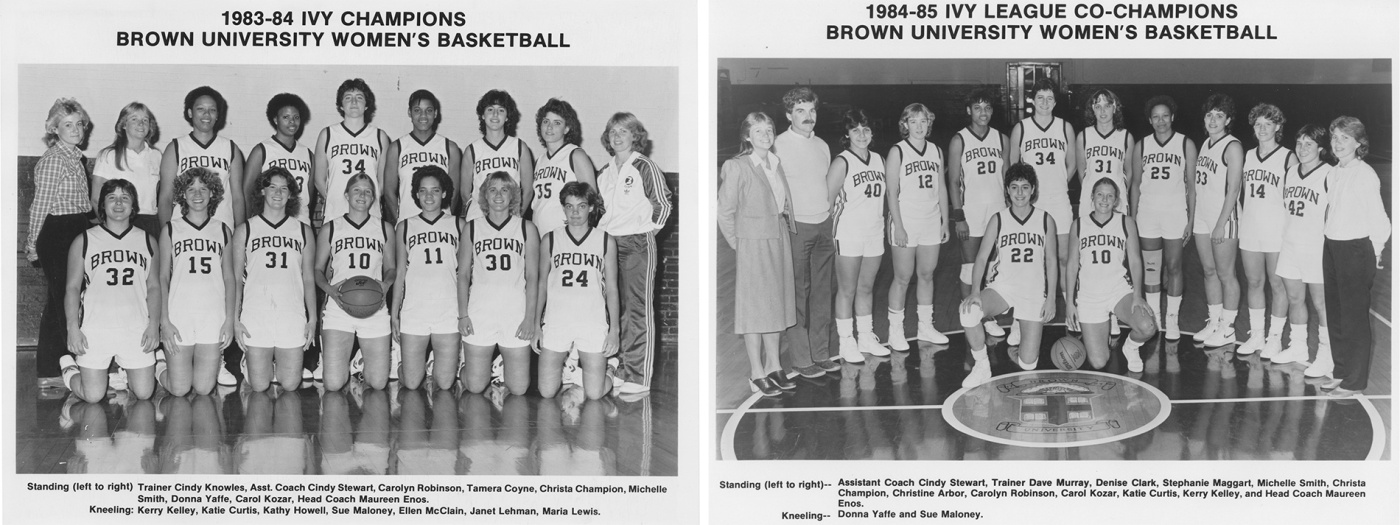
(1101, 283)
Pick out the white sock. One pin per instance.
(1256, 319)
(1227, 317)
(1298, 334)
(980, 354)
(1213, 310)
(925, 312)
(1173, 304)
(864, 324)
(843, 328)
(896, 324)
(1154, 299)
(1130, 345)
(68, 375)
(1276, 325)
(1324, 336)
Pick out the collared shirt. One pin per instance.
(1354, 208)
(142, 168)
(60, 188)
(635, 196)
(805, 161)
(771, 170)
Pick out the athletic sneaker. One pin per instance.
(995, 330)
(308, 376)
(1274, 345)
(1322, 364)
(869, 344)
(898, 342)
(117, 380)
(1113, 328)
(571, 374)
(1224, 336)
(1212, 325)
(69, 368)
(1296, 353)
(810, 371)
(828, 365)
(226, 378)
(318, 375)
(1134, 358)
(850, 353)
(1015, 338)
(498, 370)
(160, 365)
(1173, 327)
(981, 373)
(65, 414)
(927, 332)
(1255, 342)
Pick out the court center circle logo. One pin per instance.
(1057, 409)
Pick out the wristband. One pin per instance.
(957, 215)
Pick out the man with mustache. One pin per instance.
(805, 159)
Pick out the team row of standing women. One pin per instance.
(1143, 199)
(276, 256)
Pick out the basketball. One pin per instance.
(362, 297)
(1068, 353)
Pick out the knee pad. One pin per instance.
(972, 318)
(1152, 267)
(965, 275)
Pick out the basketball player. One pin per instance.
(563, 162)
(421, 147)
(496, 150)
(350, 147)
(197, 278)
(1103, 148)
(1019, 271)
(1300, 257)
(1102, 284)
(425, 300)
(354, 245)
(975, 189)
(288, 115)
(918, 222)
(497, 287)
(112, 300)
(856, 185)
(579, 302)
(276, 300)
(1261, 229)
(1214, 223)
(206, 111)
(1160, 196)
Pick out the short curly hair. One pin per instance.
(356, 84)
(565, 111)
(1159, 100)
(1090, 119)
(1022, 171)
(210, 180)
(294, 203)
(1222, 103)
(852, 119)
(640, 141)
(288, 100)
(513, 189)
(1353, 128)
(799, 95)
(110, 187)
(586, 192)
(219, 102)
(436, 172)
(908, 113)
(498, 97)
(1271, 112)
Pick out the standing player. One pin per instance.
(112, 297)
(133, 156)
(276, 301)
(1102, 283)
(1043, 142)
(918, 222)
(639, 203)
(579, 303)
(354, 245)
(350, 147)
(1261, 229)
(206, 111)
(288, 115)
(426, 297)
(1161, 196)
(1103, 148)
(563, 162)
(1214, 223)
(197, 278)
(496, 150)
(1019, 271)
(856, 183)
(978, 160)
(1300, 257)
(421, 147)
(497, 288)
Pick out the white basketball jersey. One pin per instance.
(349, 153)
(982, 164)
(488, 158)
(920, 175)
(552, 172)
(576, 278)
(1018, 257)
(1211, 173)
(498, 256)
(1261, 195)
(217, 156)
(272, 277)
(196, 264)
(357, 249)
(1162, 185)
(1305, 201)
(861, 205)
(431, 276)
(297, 161)
(1047, 149)
(115, 266)
(1103, 259)
(1104, 156)
(414, 155)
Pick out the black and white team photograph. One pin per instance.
(308, 270)
(1053, 259)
